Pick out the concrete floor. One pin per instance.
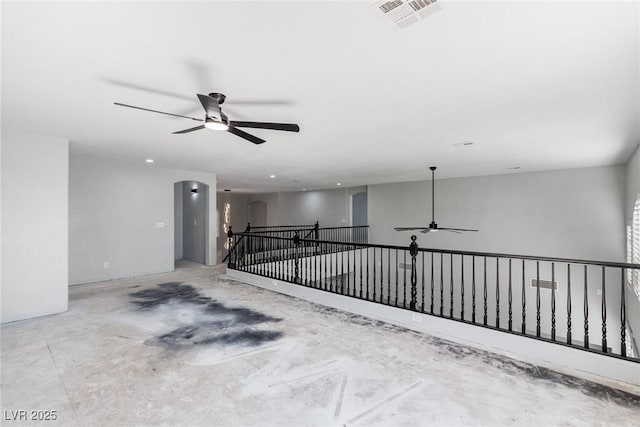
(194, 348)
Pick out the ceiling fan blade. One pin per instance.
(425, 230)
(448, 230)
(245, 135)
(455, 229)
(260, 102)
(408, 228)
(288, 127)
(210, 105)
(155, 111)
(189, 130)
(147, 89)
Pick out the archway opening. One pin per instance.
(191, 228)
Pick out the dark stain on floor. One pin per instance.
(212, 321)
(502, 363)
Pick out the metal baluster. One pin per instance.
(431, 307)
(451, 286)
(367, 281)
(296, 242)
(404, 282)
(538, 299)
(342, 269)
(422, 305)
(441, 284)
(331, 266)
(413, 250)
(604, 314)
(553, 301)
(374, 274)
(586, 311)
(485, 290)
(510, 299)
(568, 303)
(623, 319)
(349, 271)
(524, 302)
(497, 292)
(473, 289)
(325, 249)
(388, 276)
(381, 276)
(461, 287)
(360, 250)
(396, 268)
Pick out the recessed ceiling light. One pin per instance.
(272, 176)
(149, 160)
(304, 189)
(339, 183)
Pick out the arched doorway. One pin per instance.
(191, 212)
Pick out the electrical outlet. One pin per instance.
(106, 264)
(416, 318)
(274, 283)
(599, 292)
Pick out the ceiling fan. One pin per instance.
(433, 227)
(215, 119)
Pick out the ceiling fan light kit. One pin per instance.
(215, 119)
(433, 226)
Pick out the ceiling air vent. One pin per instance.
(406, 12)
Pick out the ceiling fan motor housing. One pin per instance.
(218, 97)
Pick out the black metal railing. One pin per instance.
(249, 243)
(524, 295)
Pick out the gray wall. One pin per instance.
(330, 207)
(124, 215)
(194, 224)
(35, 178)
(568, 213)
(359, 206)
(178, 220)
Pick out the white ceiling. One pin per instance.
(541, 85)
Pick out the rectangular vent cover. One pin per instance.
(544, 284)
(406, 12)
(404, 266)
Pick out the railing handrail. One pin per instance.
(281, 226)
(343, 227)
(275, 231)
(459, 252)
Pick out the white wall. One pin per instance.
(633, 189)
(124, 215)
(35, 171)
(633, 182)
(568, 213)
